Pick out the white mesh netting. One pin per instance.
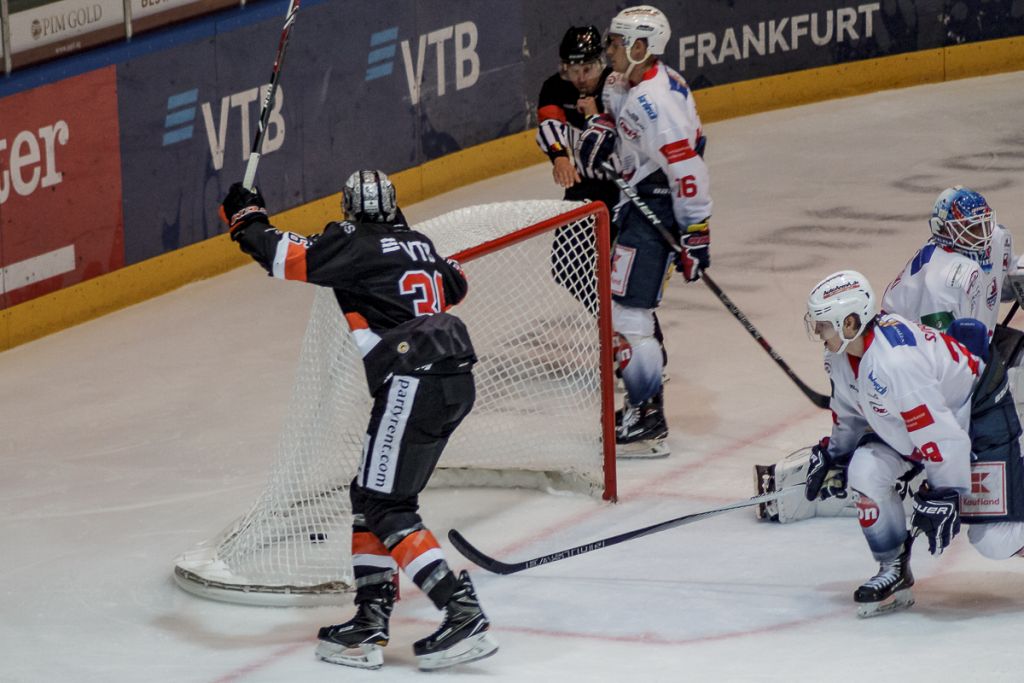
(537, 420)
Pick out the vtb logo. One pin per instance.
(976, 485)
(456, 42)
(236, 109)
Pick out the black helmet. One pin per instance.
(581, 44)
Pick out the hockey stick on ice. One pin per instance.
(817, 399)
(498, 567)
(249, 180)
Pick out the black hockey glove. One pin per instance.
(695, 257)
(596, 144)
(902, 485)
(241, 207)
(937, 516)
(826, 475)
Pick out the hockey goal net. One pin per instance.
(538, 311)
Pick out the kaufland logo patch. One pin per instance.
(988, 491)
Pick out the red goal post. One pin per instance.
(539, 314)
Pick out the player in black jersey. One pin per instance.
(394, 290)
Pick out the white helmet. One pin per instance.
(642, 21)
(369, 196)
(836, 297)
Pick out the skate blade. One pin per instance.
(899, 600)
(469, 650)
(366, 656)
(652, 448)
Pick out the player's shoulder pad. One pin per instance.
(961, 273)
(895, 331)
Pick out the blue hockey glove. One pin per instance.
(596, 144)
(695, 257)
(826, 475)
(241, 207)
(937, 516)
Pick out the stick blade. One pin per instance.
(471, 553)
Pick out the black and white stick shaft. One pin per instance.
(249, 180)
(820, 400)
(484, 561)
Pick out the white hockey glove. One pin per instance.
(937, 516)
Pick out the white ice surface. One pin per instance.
(126, 440)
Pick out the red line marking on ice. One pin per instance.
(651, 487)
(257, 665)
(655, 639)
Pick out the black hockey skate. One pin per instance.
(640, 431)
(358, 641)
(889, 589)
(462, 636)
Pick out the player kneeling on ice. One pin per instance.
(394, 291)
(904, 395)
(962, 271)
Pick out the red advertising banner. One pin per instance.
(60, 186)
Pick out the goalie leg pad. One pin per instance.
(997, 540)
(792, 471)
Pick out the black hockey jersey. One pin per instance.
(391, 285)
(559, 127)
(557, 106)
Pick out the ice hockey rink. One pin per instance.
(126, 440)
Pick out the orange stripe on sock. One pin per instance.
(367, 543)
(412, 546)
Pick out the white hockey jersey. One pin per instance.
(658, 129)
(912, 388)
(939, 285)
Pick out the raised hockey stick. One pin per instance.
(820, 400)
(249, 180)
(484, 561)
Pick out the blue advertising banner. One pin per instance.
(359, 88)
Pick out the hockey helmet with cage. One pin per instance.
(963, 221)
(580, 45)
(369, 196)
(833, 299)
(642, 21)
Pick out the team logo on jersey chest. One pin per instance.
(993, 296)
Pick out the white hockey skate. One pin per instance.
(889, 589)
